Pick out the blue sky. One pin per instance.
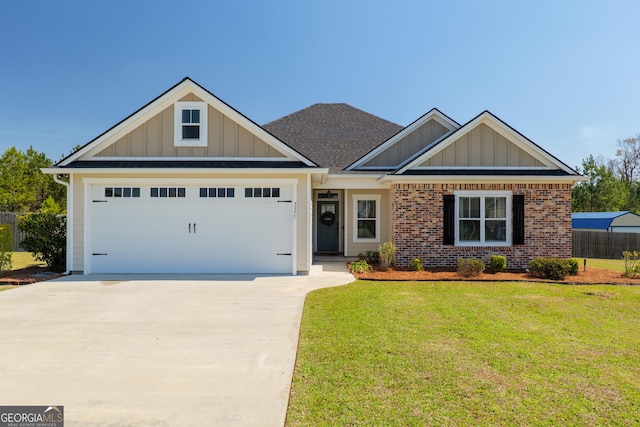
(563, 73)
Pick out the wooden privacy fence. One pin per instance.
(603, 244)
(11, 218)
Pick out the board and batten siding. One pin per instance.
(482, 147)
(409, 145)
(155, 138)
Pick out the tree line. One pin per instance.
(23, 186)
(612, 184)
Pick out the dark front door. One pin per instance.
(328, 226)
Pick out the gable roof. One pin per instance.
(598, 220)
(172, 95)
(332, 135)
(433, 114)
(553, 165)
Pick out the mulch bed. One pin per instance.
(26, 276)
(590, 276)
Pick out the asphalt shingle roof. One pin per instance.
(332, 135)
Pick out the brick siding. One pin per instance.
(417, 224)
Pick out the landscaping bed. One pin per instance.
(592, 275)
(28, 275)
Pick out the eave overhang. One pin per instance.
(484, 179)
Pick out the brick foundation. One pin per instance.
(417, 224)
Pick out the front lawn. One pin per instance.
(607, 264)
(449, 353)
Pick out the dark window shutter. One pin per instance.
(518, 219)
(449, 219)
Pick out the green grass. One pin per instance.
(23, 260)
(607, 264)
(458, 354)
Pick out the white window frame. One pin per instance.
(178, 141)
(364, 197)
(483, 195)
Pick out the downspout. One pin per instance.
(57, 179)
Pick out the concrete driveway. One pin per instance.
(156, 350)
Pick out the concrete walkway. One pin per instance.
(141, 350)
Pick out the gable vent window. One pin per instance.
(190, 124)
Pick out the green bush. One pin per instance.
(553, 268)
(359, 266)
(387, 254)
(470, 267)
(46, 238)
(631, 264)
(574, 266)
(6, 247)
(417, 264)
(371, 257)
(497, 263)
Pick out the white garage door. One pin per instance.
(191, 229)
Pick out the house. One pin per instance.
(616, 222)
(188, 184)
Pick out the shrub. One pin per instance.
(359, 266)
(6, 247)
(50, 206)
(470, 267)
(631, 264)
(553, 268)
(371, 257)
(387, 253)
(497, 263)
(417, 264)
(46, 238)
(574, 266)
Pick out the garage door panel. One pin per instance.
(192, 234)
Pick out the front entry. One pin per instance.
(328, 226)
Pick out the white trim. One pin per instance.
(482, 179)
(345, 233)
(183, 171)
(483, 195)
(378, 168)
(190, 181)
(363, 197)
(166, 100)
(501, 128)
(178, 108)
(497, 168)
(90, 182)
(432, 114)
(357, 181)
(309, 224)
(86, 263)
(166, 159)
(294, 227)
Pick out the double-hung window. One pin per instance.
(366, 218)
(190, 120)
(483, 219)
